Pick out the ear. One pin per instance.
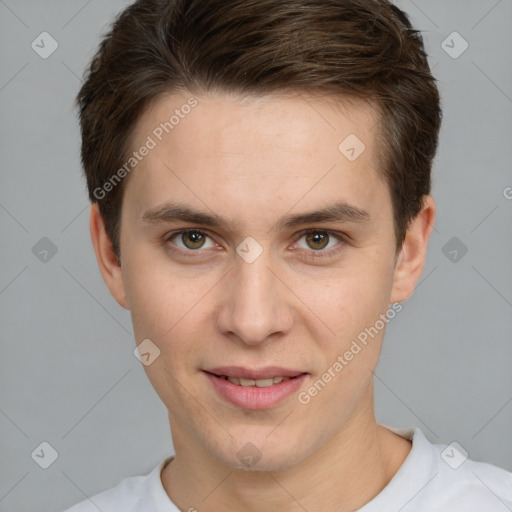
(411, 259)
(107, 262)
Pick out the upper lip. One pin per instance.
(255, 373)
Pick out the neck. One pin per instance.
(345, 474)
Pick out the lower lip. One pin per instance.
(253, 397)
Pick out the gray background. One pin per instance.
(68, 375)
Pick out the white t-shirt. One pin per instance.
(433, 478)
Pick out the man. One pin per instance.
(259, 173)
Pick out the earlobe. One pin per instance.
(411, 260)
(107, 261)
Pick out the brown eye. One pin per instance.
(193, 239)
(319, 243)
(317, 240)
(190, 240)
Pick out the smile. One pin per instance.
(260, 383)
(255, 394)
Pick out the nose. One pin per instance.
(255, 305)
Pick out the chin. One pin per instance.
(261, 456)
(264, 465)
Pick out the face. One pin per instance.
(257, 280)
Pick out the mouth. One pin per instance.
(254, 373)
(259, 383)
(255, 389)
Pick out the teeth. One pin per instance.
(259, 383)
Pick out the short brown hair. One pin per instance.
(359, 48)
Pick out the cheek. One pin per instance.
(167, 311)
(348, 301)
(352, 307)
(171, 309)
(158, 293)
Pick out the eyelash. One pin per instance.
(310, 254)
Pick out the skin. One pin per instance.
(252, 161)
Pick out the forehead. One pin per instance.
(227, 152)
(282, 111)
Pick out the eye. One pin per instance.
(318, 240)
(191, 240)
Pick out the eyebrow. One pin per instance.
(339, 211)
